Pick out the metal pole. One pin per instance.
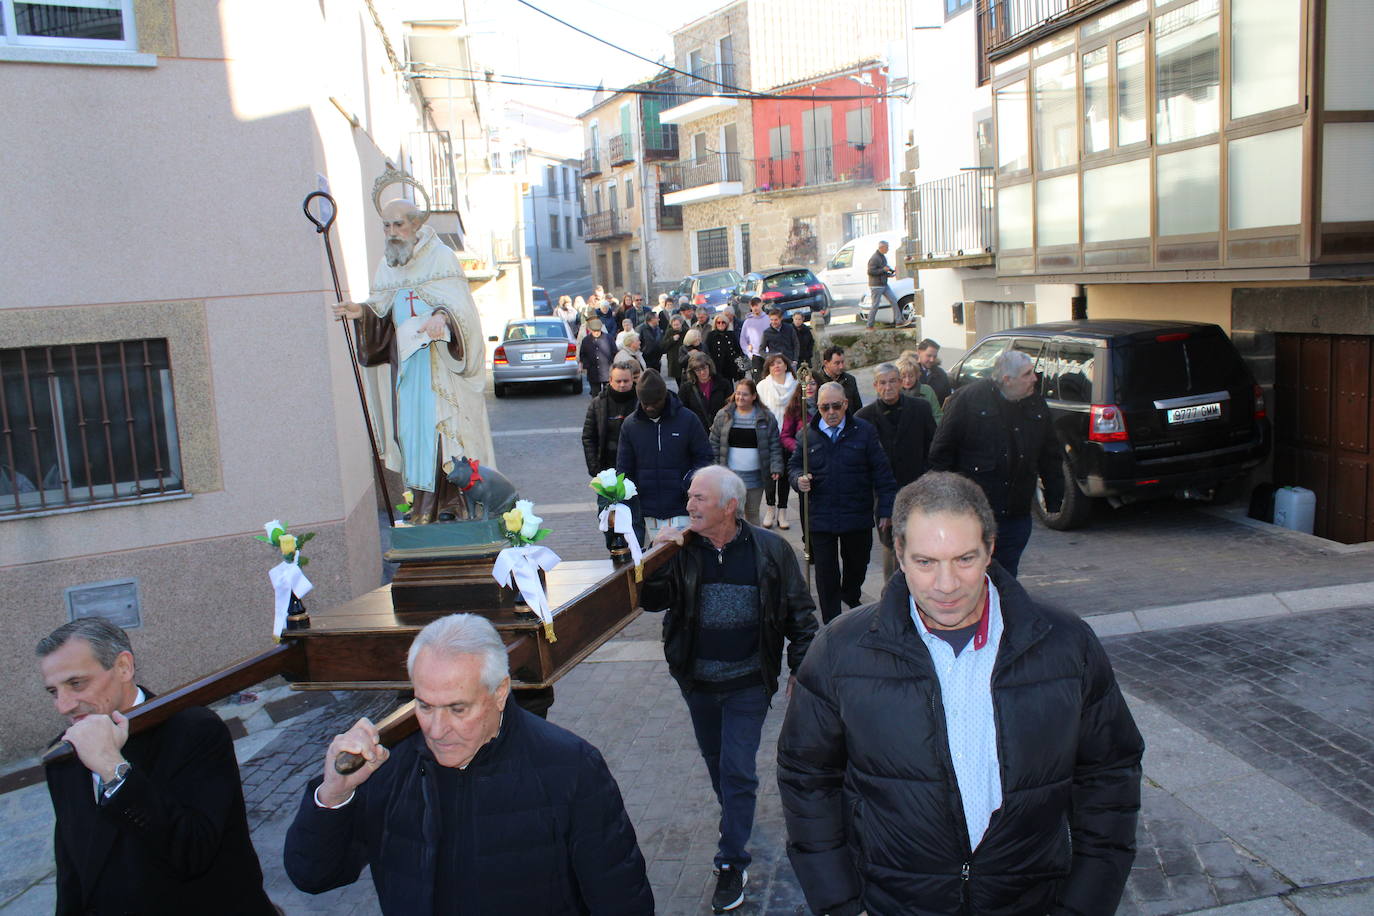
(323, 229)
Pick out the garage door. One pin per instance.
(1324, 428)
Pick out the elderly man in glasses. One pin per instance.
(849, 477)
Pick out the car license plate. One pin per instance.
(535, 357)
(1194, 414)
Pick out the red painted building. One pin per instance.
(817, 140)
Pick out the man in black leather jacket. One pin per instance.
(730, 597)
(957, 748)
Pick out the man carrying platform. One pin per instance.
(487, 809)
(152, 823)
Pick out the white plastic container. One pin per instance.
(1295, 507)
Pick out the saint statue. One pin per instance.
(421, 319)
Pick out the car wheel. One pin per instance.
(908, 310)
(1075, 510)
(499, 390)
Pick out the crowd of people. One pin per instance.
(953, 747)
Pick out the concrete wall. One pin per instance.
(185, 223)
(571, 253)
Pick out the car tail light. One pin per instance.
(1260, 411)
(572, 352)
(498, 358)
(1108, 424)
(814, 287)
(774, 294)
(1171, 338)
(699, 299)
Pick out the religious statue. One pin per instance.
(421, 319)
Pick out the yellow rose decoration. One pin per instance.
(287, 542)
(408, 496)
(514, 519)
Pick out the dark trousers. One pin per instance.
(1012, 535)
(775, 491)
(756, 367)
(841, 559)
(595, 386)
(728, 727)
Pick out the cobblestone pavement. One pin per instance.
(1293, 696)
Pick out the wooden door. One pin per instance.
(1324, 428)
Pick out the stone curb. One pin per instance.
(1226, 610)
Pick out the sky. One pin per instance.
(542, 48)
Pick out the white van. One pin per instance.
(846, 274)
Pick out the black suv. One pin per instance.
(1142, 408)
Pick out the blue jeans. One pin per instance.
(875, 294)
(728, 728)
(1012, 535)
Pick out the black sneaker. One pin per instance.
(729, 893)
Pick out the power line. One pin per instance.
(612, 44)
(473, 76)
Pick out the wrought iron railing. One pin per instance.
(708, 169)
(822, 165)
(953, 217)
(1001, 22)
(706, 79)
(608, 224)
(82, 424)
(591, 161)
(622, 149)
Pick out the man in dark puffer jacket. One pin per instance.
(487, 809)
(956, 748)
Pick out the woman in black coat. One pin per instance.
(702, 391)
(723, 348)
(671, 345)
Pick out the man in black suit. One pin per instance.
(153, 823)
(906, 427)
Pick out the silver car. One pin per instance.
(535, 350)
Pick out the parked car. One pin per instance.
(714, 289)
(1142, 408)
(845, 275)
(535, 350)
(543, 305)
(792, 289)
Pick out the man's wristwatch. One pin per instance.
(120, 774)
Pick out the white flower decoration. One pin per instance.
(531, 524)
(525, 506)
(273, 527)
(630, 488)
(607, 478)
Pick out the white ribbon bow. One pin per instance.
(522, 565)
(286, 579)
(624, 524)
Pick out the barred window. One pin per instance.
(83, 424)
(103, 24)
(713, 249)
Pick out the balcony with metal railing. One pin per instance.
(622, 149)
(1004, 24)
(710, 90)
(591, 162)
(954, 221)
(708, 177)
(432, 158)
(606, 226)
(820, 166)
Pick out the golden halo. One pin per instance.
(394, 176)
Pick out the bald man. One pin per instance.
(850, 475)
(421, 319)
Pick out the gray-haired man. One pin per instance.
(730, 596)
(487, 809)
(998, 432)
(878, 274)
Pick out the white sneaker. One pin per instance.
(769, 513)
(782, 519)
